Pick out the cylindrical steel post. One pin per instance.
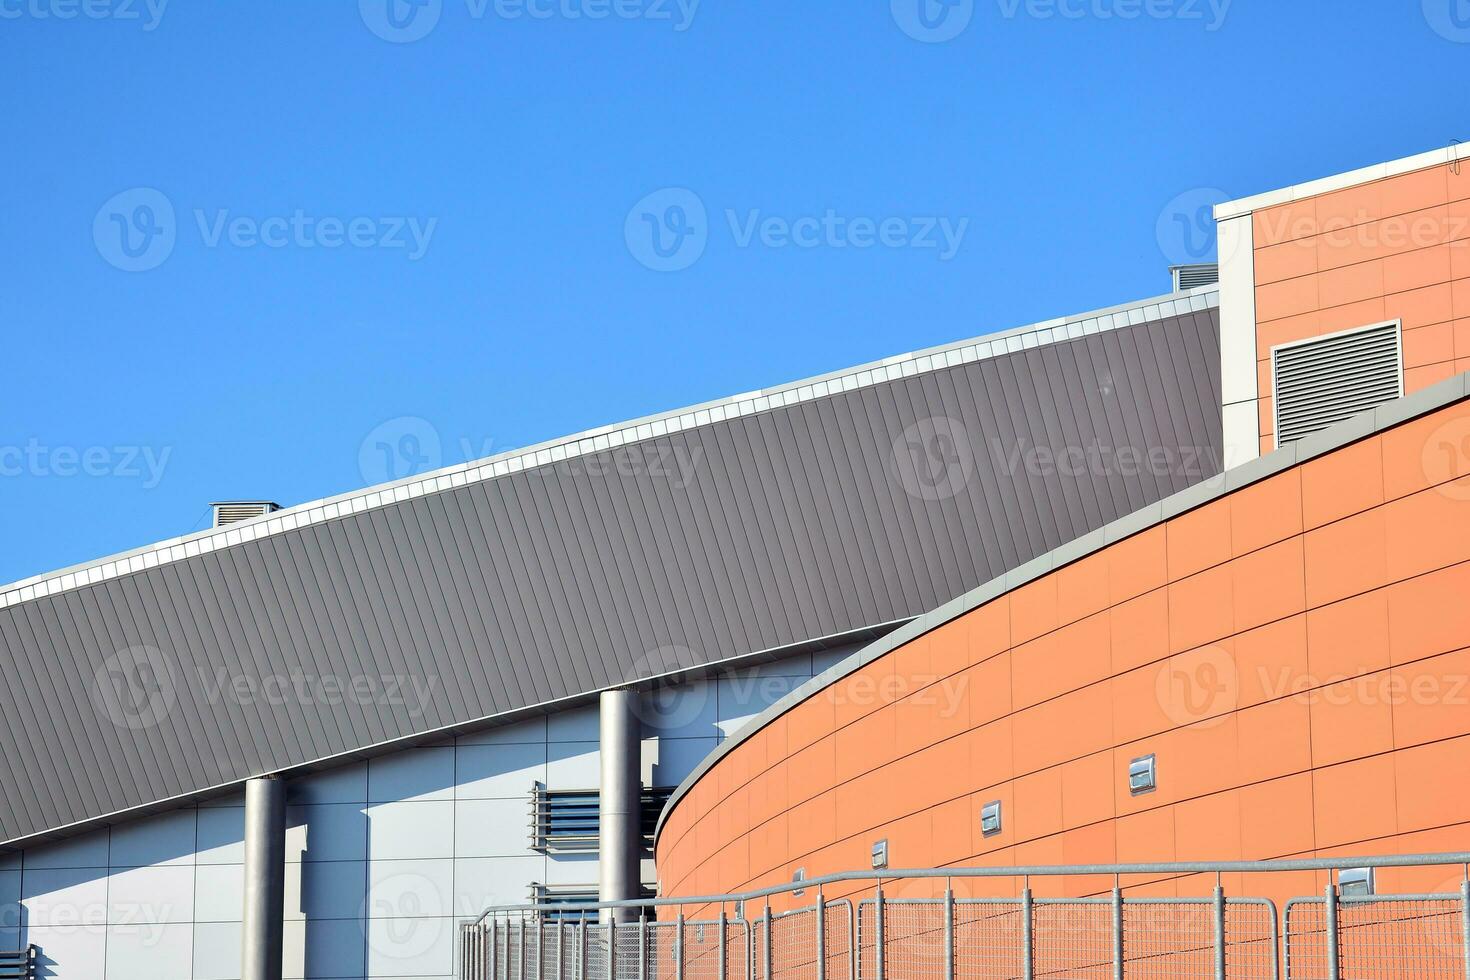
(1219, 932)
(1465, 920)
(679, 947)
(949, 930)
(1334, 968)
(878, 933)
(265, 879)
(521, 949)
(766, 944)
(1117, 933)
(620, 803)
(1028, 937)
(642, 945)
(821, 936)
(582, 947)
(724, 950)
(612, 949)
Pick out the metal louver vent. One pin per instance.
(570, 820)
(1192, 276)
(234, 511)
(1319, 382)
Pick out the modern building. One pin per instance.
(772, 630)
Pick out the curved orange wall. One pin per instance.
(1294, 653)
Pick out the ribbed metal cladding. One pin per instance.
(434, 613)
(1319, 382)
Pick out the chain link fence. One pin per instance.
(1332, 936)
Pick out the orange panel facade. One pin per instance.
(1294, 654)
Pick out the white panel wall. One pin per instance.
(383, 857)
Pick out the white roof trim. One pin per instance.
(1326, 185)
(595, 440)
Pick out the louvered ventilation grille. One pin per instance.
(1320, 382)
(1191, 276)
(570, 820)
(234, 511)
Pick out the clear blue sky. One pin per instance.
(519, 147)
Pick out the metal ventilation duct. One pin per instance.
(234, 511)
(1319, 382)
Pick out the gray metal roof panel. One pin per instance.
(557, 579)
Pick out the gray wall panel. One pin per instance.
(560, 580)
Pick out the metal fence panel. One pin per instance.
(1073, 939)
(989, 939)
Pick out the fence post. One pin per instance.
(766, 942)
(821, 936)
(1334, 968)
(643, 944)
(948, 929)
(878, 932)
(582, 948)
(1219, 930)
(492, 968)
(1117, 933)
(1028, 936)
(724, 950)
(1465, 919)
(561, 950)
(679, 947)
(612, 947)
(521, 949)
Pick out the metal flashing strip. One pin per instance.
(1338, 182)
(612, 436)
(1359, 427)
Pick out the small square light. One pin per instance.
(1356, 881)
(880, 854)
(990, 818)
(799, 875)
(1143, 777)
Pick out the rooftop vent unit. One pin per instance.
(1319, 382)
(1188, 277)
(235, 511)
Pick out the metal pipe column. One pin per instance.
(620, 803)
(265, 879)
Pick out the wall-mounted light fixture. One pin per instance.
(880, 854)
(799, 875)
(990, 818)
(1143, 776)
(1356, 881)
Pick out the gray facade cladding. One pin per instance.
(459, 608)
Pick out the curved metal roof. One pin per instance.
(829, 508)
